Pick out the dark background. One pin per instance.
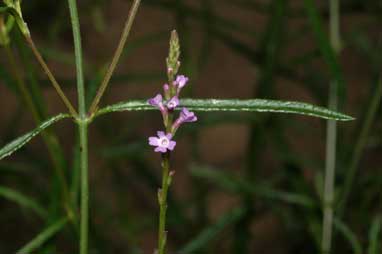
(245, 183)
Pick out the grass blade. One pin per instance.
(348, 235)
(210, 233)
(255, 105)
(22, 200)
(233, 184)
(374, 236)
(328, 52)
(44, 236)
(21, 141)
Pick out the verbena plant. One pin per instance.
(83, 116)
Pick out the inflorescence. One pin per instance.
(163, 142)
(169, 101)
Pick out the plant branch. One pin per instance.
(116, 57)
(51, 77)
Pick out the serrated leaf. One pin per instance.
(21, 141)
(254, 105)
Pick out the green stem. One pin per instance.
(116, 57)
(84, 230)
(162, 198)
(83, 129)
(78, 55)
(331, 138)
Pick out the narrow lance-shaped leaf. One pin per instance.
(374, 236)
(44, 236)
(254, 105)
(22, 200)
(213, 230)
(21, 141)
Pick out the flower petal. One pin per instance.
(171, 146)
(153, 141)
(161, 134)
(156, 101)
(160, 149)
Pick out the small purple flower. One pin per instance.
(157, 102)
(180, 82)
(185, 116)
(163, 142)
(173, 103)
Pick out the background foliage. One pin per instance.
(247, 183)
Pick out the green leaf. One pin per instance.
(210, 232)
(234, 184)
(22, 200)
(325, 47)
(44, 236)
(254, 105)
(374, 236)
(348, 235)
(21, 141)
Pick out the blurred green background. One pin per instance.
(245, 183)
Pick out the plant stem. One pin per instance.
(331, 138)
(83, 129)
(116, 57)
(51, 77)
(84, 230)
(162, 198)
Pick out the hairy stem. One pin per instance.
(162, 198)
(51, 77)
(116, 57)
(83, 129)
(331, 138)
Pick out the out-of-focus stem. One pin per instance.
(116, 57)
(331, 138)
(51, 77)
(359, 146)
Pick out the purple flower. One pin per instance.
(185, 116)
(180, 82)
(163, 142)
(157, 102)
(173, 103)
